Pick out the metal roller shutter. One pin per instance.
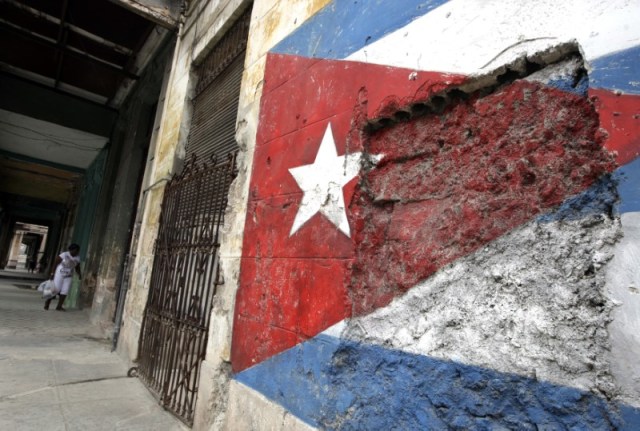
(215, 106)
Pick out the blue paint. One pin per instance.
(630, 417)
(296, 379)
(628, 177)
(569, 84)
(338, 384)
(601, 198)
(615, 193)
(354, 24)
(345, 26)
(618, 71)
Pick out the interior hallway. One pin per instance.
(54, 376)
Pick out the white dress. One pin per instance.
(64, 272)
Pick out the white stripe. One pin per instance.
(472, 36)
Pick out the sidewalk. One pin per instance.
(22, 274)
(54, 377)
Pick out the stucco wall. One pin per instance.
(441, 226)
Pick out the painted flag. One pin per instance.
(380, 185)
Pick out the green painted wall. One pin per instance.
(85, 216)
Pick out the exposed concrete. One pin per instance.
(413, 217)
(163, 12)
(530, 303)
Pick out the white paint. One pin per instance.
(322, 184)
(46, 141)
(518, 305)
(623, 284)
(337, 329)
(471, 36)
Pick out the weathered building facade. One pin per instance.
(433, 222)
(402, 214)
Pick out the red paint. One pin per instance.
(268, 224)
(296, 298)
(620, 118)
(309, 91)
(255, 340)
(271, 169)
(294, 287)
(450, 184)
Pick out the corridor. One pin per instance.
(55, 376)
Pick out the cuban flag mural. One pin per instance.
(443, 215)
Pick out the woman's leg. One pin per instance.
(58, 282)
(61, 299)
(64, 291)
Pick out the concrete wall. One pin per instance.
(204, 24)
(132, 136)
(442, 218)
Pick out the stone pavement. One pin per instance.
(54, 377)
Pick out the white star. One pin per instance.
(322, 184)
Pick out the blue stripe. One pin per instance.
(628, 177)
(345, 26)
(568, 84)
(338, 384)
(615, 193)
(601, 198)
(617, 71)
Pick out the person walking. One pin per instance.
(63, 274)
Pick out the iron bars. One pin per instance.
(185, 274)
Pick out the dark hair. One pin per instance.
(74, 247)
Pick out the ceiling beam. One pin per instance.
(62, 41)
(47, 104)
(163, 12)
(41, 15)
(28, 34)
(158, 38)
(23, 208)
